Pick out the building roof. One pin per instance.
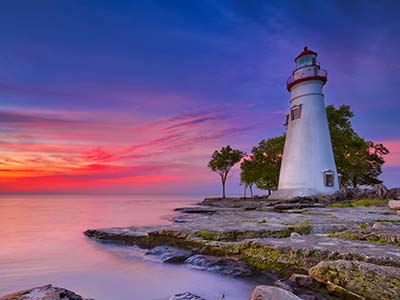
(305, 52)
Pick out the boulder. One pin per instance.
(185, 296)
(358, 280)
(46, 292)
(170, 254)
(283, 284)
(302, 280)
(222, 265)
(394, 193)
(394, 204)
(378, 191)
(295, 235)
(264, 292)
(354, 193)
(337, 196)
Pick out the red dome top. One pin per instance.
(305, 52)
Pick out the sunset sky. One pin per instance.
(134, 96)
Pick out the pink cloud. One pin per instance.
(48, 152)
(393, 158)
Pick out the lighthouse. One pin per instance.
(308, 166)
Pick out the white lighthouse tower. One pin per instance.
(308, 166)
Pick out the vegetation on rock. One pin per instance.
(355, 278)
(359, 203)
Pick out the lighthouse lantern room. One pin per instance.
(308, 166)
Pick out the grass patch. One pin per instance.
(377, 239)
(364, 225)
(387, 220)
(206, 235)
(359, 203)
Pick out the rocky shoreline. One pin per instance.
(317, 248)
(310, 247)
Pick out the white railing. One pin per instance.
(307, 73)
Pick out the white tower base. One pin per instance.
(287, 194)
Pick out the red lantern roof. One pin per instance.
(305, 52)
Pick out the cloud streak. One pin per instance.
(74, 155)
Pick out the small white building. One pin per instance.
(308, 166)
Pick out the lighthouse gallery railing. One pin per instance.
(312, 74)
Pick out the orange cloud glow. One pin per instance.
(52, 152)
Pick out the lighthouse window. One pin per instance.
(329, 178)
(295, 112)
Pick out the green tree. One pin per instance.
(267, 157)
(248, 175)
(223, 161)
(357, 160)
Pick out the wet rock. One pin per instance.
(283, 284)
(184, 218)
(185, 296)
(170, 254)
(289, 206)
(264, 292)
(251, 206)
(358, 279)
(46, 292)
(197, 210)
(302, 280)
(394, 204)
(222, 265)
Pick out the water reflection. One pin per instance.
(42, 242)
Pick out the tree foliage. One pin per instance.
(223, 161)
(248, 175)
(267, 158)
(357, 160)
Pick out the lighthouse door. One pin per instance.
(329, 179)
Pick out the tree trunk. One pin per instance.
(251, 190)
(244, 193)
(269, 192)
(223, 188)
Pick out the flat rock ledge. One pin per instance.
(284, 255)
(46, 292)
(254, 236)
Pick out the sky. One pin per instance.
(134, 96)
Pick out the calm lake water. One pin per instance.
(41, 242)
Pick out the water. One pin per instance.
(41, 242)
